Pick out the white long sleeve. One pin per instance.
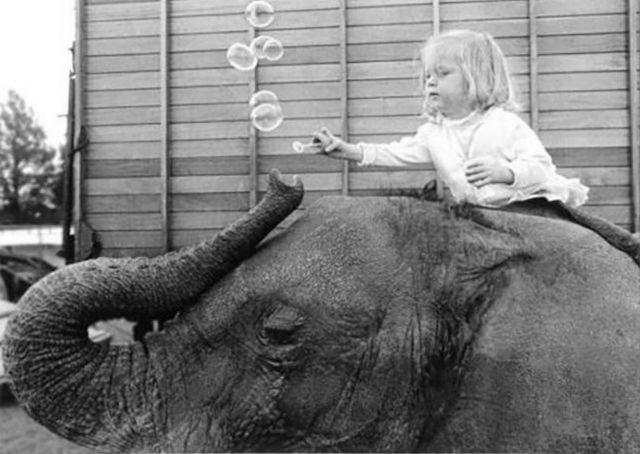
(496, 132)
(406, 151)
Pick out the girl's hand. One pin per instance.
(487, 170)
(328, 141)
(334, 147)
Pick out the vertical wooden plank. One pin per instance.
(253, 134)
(344, 91)
(533, 65)
(634, 105)
(436, 17)
(79, 116)
(436, 32)
(164, 125)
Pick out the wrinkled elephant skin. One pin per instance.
(370, 324)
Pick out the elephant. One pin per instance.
(371, 323)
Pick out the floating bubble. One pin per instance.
(257, 45)
(241, 57)
(266, 117)
(273, 50)
(262, 97)
(259, 13)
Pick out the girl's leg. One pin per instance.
(614, 235)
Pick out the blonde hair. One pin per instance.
(483, 66)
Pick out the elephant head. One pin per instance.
(370, 324)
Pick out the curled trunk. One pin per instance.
(97, 394)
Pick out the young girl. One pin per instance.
(482, 151)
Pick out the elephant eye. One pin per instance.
(279, 336)
(281, 325)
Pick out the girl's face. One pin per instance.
(446, 89)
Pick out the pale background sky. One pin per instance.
(35, 60)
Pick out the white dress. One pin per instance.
(448, 144)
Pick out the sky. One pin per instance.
(35, 60)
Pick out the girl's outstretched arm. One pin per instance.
(336, 148)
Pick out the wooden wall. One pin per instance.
(173, 159)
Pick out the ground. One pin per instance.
(20, 434)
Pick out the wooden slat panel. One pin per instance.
(104, 2)
(130, 11)
(577, 44)
(210, 130)
(619, 214)
(139, 203)
(229, 165)
(124, 29)
(223, 201)
(217, 183)
(123, 116)
(233, 22)
(123, 98)
(588, 138)
(607, 176)
(124, 221)
(130, 239)
(602, 119)
(123, 81)
(299, 164)
(210, 112)
(209, 148)
(121, 186)
(609, 195)
(400, 14)
(312, 181)
(204, 219)
(123, 168)
(124, 133)
(602, 23)
(484, 10)
(123, 150)
(211, 94)
(293, 56)
(591, 156)
(198, 7)
(126, 63)
(584, 7)
(123, 46)
(595, 100)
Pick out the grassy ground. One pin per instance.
(20, 434)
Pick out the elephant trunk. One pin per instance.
(98, 395)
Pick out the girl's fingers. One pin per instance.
(324, 140)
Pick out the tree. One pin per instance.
(30, 170)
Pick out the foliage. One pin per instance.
(30, 170)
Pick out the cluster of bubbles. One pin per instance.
(266, 113)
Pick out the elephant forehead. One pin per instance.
(344, 230)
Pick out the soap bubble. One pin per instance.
(257, 45)
(262, 97)
(259, 13)
(267, 117)
(241, 57)
(272, 49)
(298, 147)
